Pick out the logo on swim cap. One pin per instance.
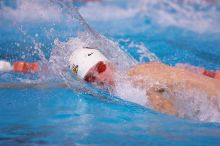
(75, 69)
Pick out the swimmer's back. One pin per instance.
(175, 77)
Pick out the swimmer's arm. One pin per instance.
(160, 99)
(31, 85)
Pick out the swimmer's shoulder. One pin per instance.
(151, 67)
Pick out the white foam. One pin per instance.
(185, 15)
(192, 15)
(197, 105)
(97, 11)
(31, 10)
(126, 90)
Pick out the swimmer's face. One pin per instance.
(102, 74)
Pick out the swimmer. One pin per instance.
(93, 67)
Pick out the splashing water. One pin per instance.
(195, 105)
(144, 53)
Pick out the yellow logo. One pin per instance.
(75, 69)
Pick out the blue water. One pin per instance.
(65, 117)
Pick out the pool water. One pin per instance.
(172, 32)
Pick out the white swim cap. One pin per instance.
(83, 59)
(5, 66)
